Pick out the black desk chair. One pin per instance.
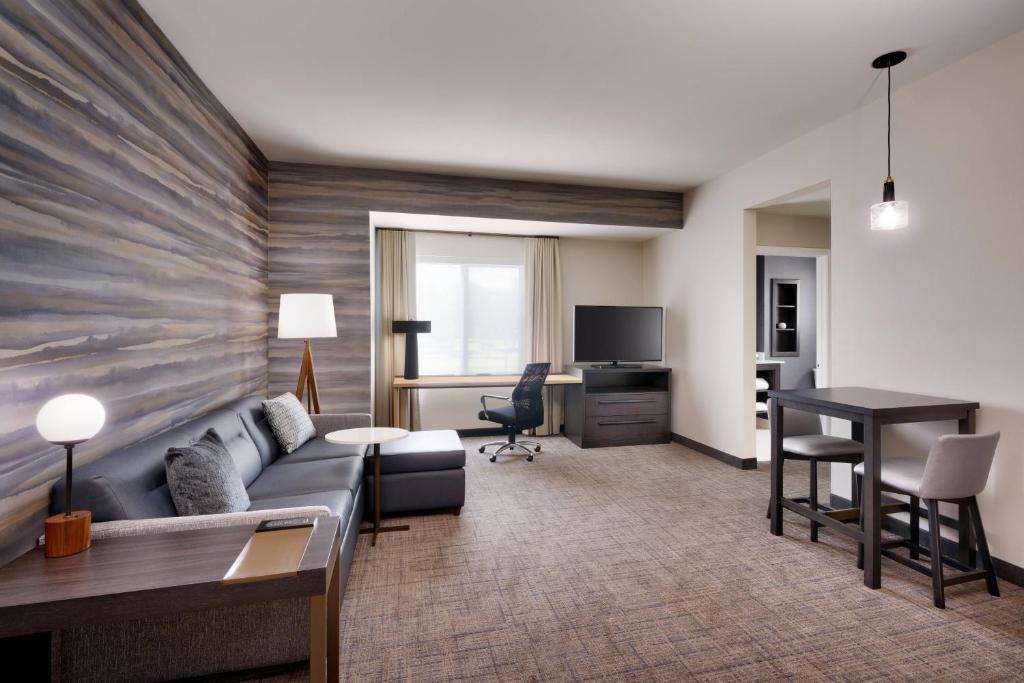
(525, 410)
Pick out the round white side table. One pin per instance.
(375, 436)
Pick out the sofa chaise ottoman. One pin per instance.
(423, 471)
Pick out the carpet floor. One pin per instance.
(649, 563)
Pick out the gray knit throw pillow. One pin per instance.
(289, 421)
(203, 479)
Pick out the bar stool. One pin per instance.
(955, 470)
(803, 440)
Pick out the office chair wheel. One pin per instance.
(529, 458)
(481, 449)
(537, 449)
(493, 458)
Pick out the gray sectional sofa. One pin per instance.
(420, 473)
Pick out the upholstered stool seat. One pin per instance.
(902, 474)
(821, 446)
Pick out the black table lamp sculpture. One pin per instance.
(410, 328)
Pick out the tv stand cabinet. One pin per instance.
(618, 406)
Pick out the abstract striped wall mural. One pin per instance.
(133, 239)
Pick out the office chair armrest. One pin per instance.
(483, 401)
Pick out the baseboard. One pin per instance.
(1004, 570)
(727, 458)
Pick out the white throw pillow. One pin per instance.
(289, 421)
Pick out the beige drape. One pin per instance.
(544, 318)
(396, 300)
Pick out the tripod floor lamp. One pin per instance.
(306, 316)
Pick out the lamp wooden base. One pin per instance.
(68, 534)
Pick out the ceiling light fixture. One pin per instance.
(889, 214)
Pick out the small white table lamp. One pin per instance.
(67, 421)
(306, 316)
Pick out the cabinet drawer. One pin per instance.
(646, 403)
(624, 430)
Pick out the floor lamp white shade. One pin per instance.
(70, 419)
(306, 316)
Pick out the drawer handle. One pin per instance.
(628, 400)
(626, 422)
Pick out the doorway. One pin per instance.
(791, 300)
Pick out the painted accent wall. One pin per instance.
(320, 242)
(932, 309)
(133, 240)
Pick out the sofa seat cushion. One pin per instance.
(338, 502)
(320, 449)
(421, 452)
(294, 479)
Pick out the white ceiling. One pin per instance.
(644, 93)
(505, 226)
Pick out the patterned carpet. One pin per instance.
(648, 563)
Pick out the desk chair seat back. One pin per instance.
(528, 396)
(958, 466)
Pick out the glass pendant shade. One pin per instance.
(890, 215)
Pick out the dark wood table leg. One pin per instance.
(324, 631)
(965, 539)
(871, 493)
(334, 620)
(775, 423)
(318, 638)
(376, 484)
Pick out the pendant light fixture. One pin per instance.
(889, 214)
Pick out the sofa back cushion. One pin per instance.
(131, 483)
(255, 420)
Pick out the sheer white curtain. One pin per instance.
(396, 300)
(544, 317)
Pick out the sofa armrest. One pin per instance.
(159, 525)
(326, 423)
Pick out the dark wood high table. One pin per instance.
(868, 410)
(168, 573)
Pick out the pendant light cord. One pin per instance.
(888, 125)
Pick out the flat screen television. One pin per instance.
(617, 334)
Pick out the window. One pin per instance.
(471, 289)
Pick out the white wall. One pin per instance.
(593, 272)
(933, 309)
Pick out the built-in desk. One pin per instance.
(466, 382)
